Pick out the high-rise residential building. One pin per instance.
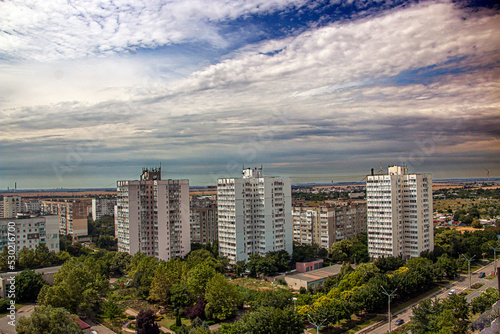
(399, 213)
(329, 222)
(72, 216)
(203, 217)
(10, 206)
(103, 207)
(31, 231)
(152, 216)
(254, 215)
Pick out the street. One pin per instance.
(458, 286)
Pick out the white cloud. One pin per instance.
(338, 93)
(59, 29)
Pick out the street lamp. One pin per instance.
(314, 324)
(294, 304)
(495, 255)
(389, 295)
(468, 260)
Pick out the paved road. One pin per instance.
(460, 285)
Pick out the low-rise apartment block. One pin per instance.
(72, 217)
(329, 222)
(10, 206)
(31, 231)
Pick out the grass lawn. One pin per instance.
(255, 284)
(491, 277)
(477, 285)
(139, 305)
(404, 305)
(465, 292)
(169, 321)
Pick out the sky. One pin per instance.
(93, 91)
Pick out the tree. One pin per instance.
(78, 287)
(106, 242)
(179, 296)
(198, 310)
(448, 265)
(266, 320)
(476, 223)
(166, 275)
(119, 263)
(48, 320)
(484, 302)
(222, 298)
(280, 298)
(28, 285)
(112, 311)
(26, 258)
(143, 275)
(145, 323)
(198, 278)
(456, 316)
(239, 268)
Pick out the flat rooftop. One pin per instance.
(46, 270)
(318, 274)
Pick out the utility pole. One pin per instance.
(495, 255)
(389, 295)
(314, 324)
(468, 260)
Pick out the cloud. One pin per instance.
(418, 83)
(57, 29)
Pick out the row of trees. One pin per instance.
(451, 315)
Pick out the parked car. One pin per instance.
(399, 322)
(452, 292)
(482, 275)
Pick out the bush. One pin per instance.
(130, 317)
(4, 304)
(281, 281)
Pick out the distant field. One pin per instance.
(444, 204)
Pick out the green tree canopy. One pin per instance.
(28, 285)
(48, 320)
(78, 287)
(222, 298)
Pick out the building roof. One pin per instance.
(318, 274)
(46, 270)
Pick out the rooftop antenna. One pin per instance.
(381, 169)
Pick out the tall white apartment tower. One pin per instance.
(254, 215)
(152, 216)
(399, 213)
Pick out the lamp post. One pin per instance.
(495, 255)
(389, 295)
(314, 324)
(294, 304)
(468, 260)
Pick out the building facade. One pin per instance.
(31, 231)
(254, 215)
(203, 219)
(399, 213)
(152, 216)
(103, 207)
(329, 222)
(72, 216)
(10, 206)
(31, 206)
